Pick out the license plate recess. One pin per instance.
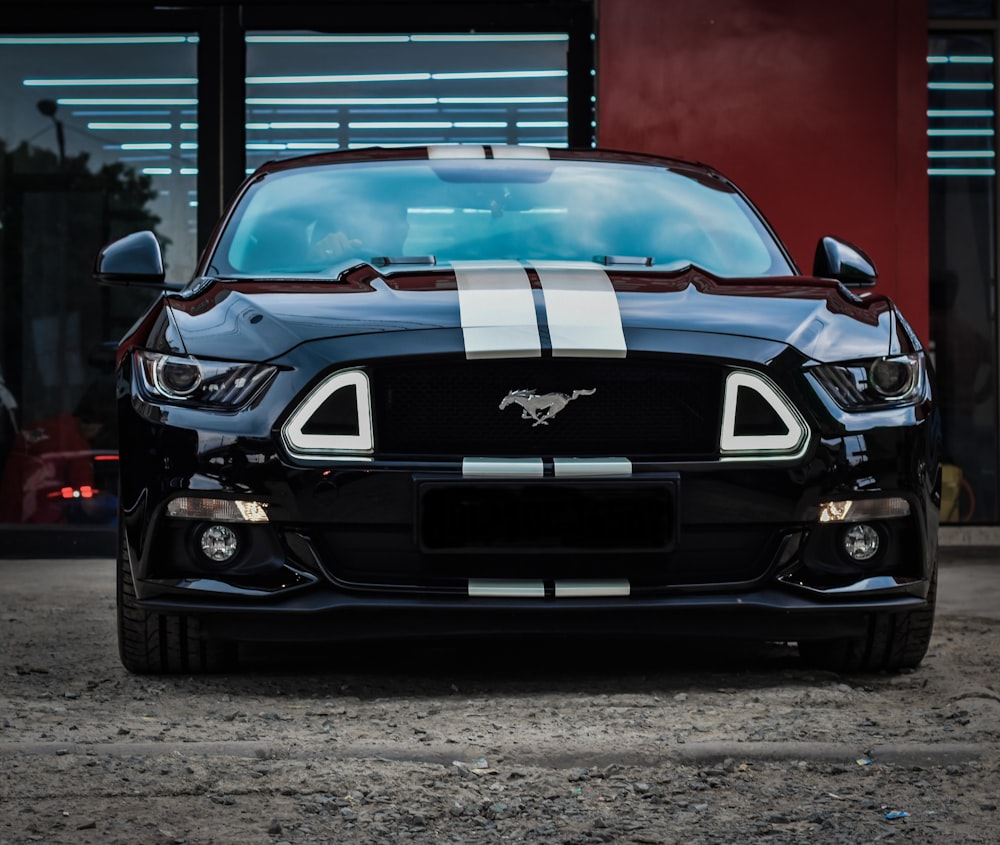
(637, 515)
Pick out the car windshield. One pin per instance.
(311, 220)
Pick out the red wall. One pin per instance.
(816, 110)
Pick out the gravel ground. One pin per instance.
(551, 742)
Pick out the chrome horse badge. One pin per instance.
(541, 408)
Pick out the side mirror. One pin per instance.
(837, 259)
(133, 260)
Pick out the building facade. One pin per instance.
(132, 116)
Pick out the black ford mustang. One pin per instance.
(463, 389)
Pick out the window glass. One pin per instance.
(308, 92)
(98, 138)
(962, 171)
(314, 219)
(961, 8)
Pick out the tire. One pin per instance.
(162, 643)
(894, 641)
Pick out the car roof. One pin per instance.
(461, 151)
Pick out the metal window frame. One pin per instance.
(52, 19)
(221, 27)
(575, 17)
(988, 26)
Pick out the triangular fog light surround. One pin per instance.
(300, 442)
(791, 443)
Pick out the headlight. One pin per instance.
(176, 378)
(888, 382)
(892, 377)
(183, 380)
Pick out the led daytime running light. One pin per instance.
(789, 444)
(217, 510)
(305, 445)
(860, 510)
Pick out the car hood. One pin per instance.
(263, 319)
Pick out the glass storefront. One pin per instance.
(962, 284)
(961, 9)
(98, 138)
(311, 92)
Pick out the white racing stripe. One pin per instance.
(591, 466)
(581, 308)
(497, 310)
(502, 468)
(573, 589)
(502, 588)
(456, 151)
(592, 589)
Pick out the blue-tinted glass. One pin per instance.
(98, 138)
(316, 219)
(962, 170)
(961, 8)
(309, 92)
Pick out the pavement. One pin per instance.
(969, 581)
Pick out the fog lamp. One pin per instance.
(219, 543)
(860, 541)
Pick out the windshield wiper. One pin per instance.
(633, 260)
(395, 260)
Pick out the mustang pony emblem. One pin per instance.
(541, 408)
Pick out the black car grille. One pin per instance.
(666, 408)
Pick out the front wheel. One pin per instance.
(893, 641)
(161, 643)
